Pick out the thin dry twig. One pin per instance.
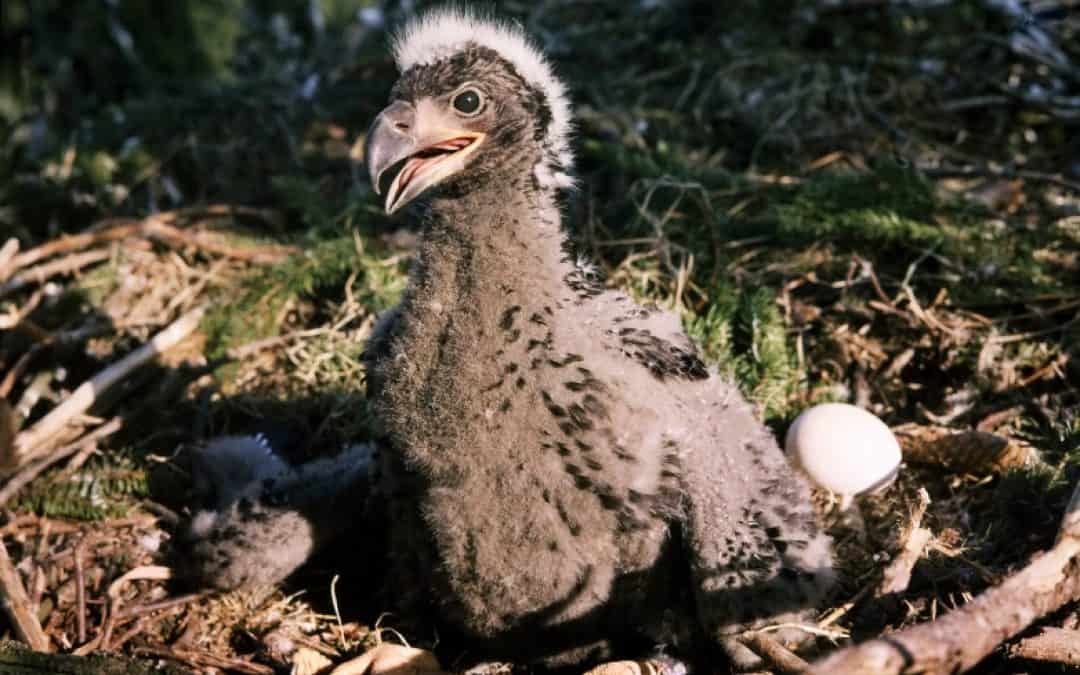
(109, 230)
(200, 659)
(777, 657)
(897, 575)
(29, 442)
(80, 591)
(34, 469)
(45, 271)
(151, 607)
(71, 243)
(7, 253)
(16, 605)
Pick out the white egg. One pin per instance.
(843, 448)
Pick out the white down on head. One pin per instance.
(440, 33)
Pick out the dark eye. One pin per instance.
(467, 102)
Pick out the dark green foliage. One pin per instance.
(101, 489)
(744, 334)
(891, 205)
(319, 271)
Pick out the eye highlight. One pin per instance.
(467, 102)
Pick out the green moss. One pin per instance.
(744, 334)
(888, 206)
(102, 489)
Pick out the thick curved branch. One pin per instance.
(963, 637)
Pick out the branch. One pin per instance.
(1052, 645)
(34, 469)
(17, 605)
(65, 265)
(29, 443)
(109, 230)
(963, 637)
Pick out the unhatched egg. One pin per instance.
(843, 448)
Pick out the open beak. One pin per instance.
(411, 148)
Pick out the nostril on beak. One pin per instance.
(401, 126)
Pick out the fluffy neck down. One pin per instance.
(489, 274)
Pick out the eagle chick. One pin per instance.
(565, 466)
(561, 474)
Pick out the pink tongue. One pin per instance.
(411, 167)
(416, 163)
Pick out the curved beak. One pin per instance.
(411, 148)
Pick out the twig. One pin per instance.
(13, 375)
(897, 575)
(109, 231)
(200, 659)
(151, 607)
(173, 236)
(37, 580)
(66, 265)
(777, 657)
(138, 627)
(152, 572)
(33, 470)
(839, 612)
(7, 254)
(28, 443)
(963, 637)
(1055, 645)
(7, 427)
(245, 350)
(80, 592)
(16, 605)
(71, 243)
(988, 172)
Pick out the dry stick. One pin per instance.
(777, 657)
(897, 575)
(127, 228)
(28, 443)
(65, 265)
(101, 641)
(963, 637)
(33, 470)
(7, 254)
(174, 235)
(122, 639)
(8, 424)
(75, 242)
(1054, 645)
(16, 605)
(198, 659)
(13, 375)
(37, 583)
(151, 572)
(80, 592)
(151, 607)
